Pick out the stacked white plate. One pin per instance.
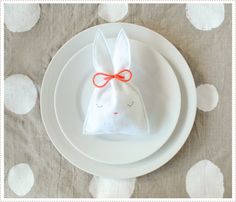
(167, 87)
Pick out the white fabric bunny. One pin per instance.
(116, 105)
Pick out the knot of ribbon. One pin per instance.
(124, 76)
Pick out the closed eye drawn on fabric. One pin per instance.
(99, 106)
(131, 104)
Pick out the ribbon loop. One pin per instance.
(107, 77)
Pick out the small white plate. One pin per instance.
(161, 94)
(187, 113)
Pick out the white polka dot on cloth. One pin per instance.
(21, 179)
(205, 16)
(21, 17)
(113, 12)
(20, 94)
(207, 97)
(205, 180)
(111, 188)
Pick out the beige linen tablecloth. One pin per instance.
(208, 55)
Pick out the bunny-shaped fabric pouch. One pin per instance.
(116, 105)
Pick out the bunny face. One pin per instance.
(117, 112)
(117, 107)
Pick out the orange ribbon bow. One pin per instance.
(107, 77)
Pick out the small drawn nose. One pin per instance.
(115, 113)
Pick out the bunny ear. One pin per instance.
(121, 55)
(101, 54)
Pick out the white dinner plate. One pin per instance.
(187, 113)
(160, 91)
